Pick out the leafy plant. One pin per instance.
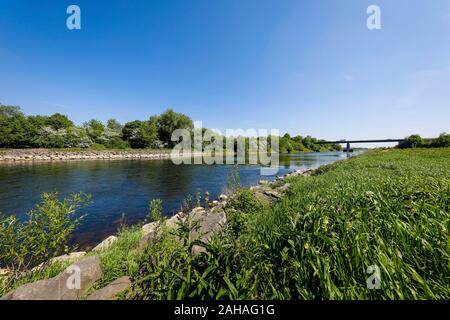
(155, 210)
(45, 234)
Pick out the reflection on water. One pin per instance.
(126, 186)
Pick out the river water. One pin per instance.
(126, 186)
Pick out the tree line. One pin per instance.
(57, 131)
(18, 130)
(416, 141)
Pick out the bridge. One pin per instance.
(348, 142)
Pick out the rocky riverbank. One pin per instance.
(54, 155)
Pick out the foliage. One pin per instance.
(416, 141)
(168, 122)
(122, 258)
(155, 212)
(290, 144)
(387, 208)
(45, 233)
(140, 134)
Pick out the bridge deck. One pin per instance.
(361, 141)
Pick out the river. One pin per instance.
(126, 186)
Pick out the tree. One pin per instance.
(442, 141)
(94, 129)
(114, 125)
(15, 129)
(168, 122)
(140, 134)
(10, 111)
(58, 121)
(413, 141)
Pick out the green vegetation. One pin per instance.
(295, 144)
(155, 210)
(388, 208)
(416, 141)
(122, 258)
(385, 208)
(44, 235)
(58, 132)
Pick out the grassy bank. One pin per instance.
(385, 208)
(389, 209)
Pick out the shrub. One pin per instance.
(155, 212)
(44, 235)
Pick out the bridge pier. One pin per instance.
(348, 147)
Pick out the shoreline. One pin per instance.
(31, 155)
(44, 155)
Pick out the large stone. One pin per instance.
(111, 290)
(71, 257)
(272, 193)
(223, 197)
(173, 221)
(105, 244)
(209, 223)
(69, 285)
(214, 203)
(149, 228)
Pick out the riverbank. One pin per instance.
(11, 155)
(382, 216)
(38, 155)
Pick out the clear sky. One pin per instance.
(301, 66)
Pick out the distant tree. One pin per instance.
(168, 122)
(15, 129)
(114, 125)
(140, 134)
(10, 111)
(442, 141)
(413, 141)
(58, 121)
(94, 129)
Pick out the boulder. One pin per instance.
(105, 244)
(71, 257)
(111, 290)
(214, 203)
(223, 197)
(174, 220)
(69, 285)
(272, 193)
(198, 210)
(149, 228)
(209, 223)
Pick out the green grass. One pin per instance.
(8, 284)
(386, 208)
(121, 259)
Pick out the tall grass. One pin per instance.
(384, 208)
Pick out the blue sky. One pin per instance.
(301, 66)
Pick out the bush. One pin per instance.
(155, 211)
(44, 235)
